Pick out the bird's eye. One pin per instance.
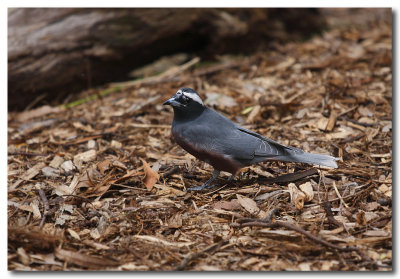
(185, 99)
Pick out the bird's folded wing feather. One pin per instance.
(270, 147)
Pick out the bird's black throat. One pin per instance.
(188, 113)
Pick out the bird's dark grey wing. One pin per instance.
(270, 147)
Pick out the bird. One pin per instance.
(226, 146)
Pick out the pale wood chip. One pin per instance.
(56, 162)
(87, 156)
(157, 240)
(29, 174)
(307, 189)
(84, 260)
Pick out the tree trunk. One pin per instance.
(54, 52)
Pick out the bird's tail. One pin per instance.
(310, 158)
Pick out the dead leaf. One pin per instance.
(119, 164)
(227, 205)
(167, 191)
(151, 176)
(248, 204)
(175, 221)
(103, 166)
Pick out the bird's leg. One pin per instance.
(231, 178)
(207, 183)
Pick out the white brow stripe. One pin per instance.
(193, 96)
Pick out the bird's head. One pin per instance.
(185, 99)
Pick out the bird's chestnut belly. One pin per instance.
(218, 161)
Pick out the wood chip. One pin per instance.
(74, 234)
(297, 197)
(159, 241)
(83, 260)
(87, 156)
(37, 112)
(56, 162)
(331, 121)
(307, 189)
(67, 166)
(50, 172)
(29, 174)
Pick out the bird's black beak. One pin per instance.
(167, 102)
(172, 102)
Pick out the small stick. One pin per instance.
(319, 185)
(169, 172)
(274, 224)
(289, 177)
(313, 237)
(44, 199)
(289, 226)
(359, 123)
(46, 207)
(339, 196)
(28, 154)
(328, 210)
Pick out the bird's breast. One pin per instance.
(204, 153)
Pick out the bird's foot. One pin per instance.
(207, 184)
(202, 187)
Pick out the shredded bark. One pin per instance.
(99, 184)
